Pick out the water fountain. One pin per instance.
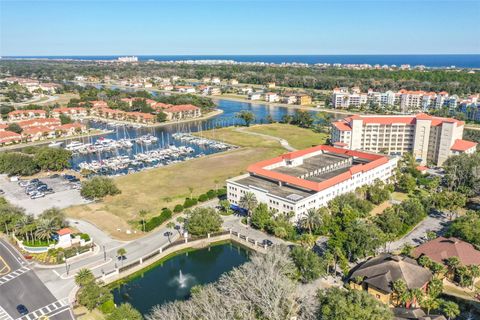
(182, 281)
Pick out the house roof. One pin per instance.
(441, 248)
(39, 122)
(381, 271)
(64, 231)
(342, 126)
(8, 136)
(463, 145)
(182, 107)
(15, 112)
(422, 168)
(389, 120)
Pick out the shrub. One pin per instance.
(221, 192)
(107, 307)
(85, 237)
(178, 208)
(158, 220)
(203, 198)
(189, 202)
(211, 194)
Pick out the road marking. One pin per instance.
(14, 255)
(54, 306)
(4, 315)
(14, 274)
(4, 267)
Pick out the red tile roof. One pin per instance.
(441, 248)
(463, 145)
(6, 136)
(39, 122)
(388, 120)
(26, 112)
(182, 107)
(64, 231)
(342, 126)
(421, 168)
(375, 161)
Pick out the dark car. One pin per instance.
(22, 309)
(54, 176)
(48, 191)
(69, 177)
(42, 187)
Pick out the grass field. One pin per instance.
(154, 189)
(63, 99)
(299, 138)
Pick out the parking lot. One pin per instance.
(63, 195)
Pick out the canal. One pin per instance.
(173, 279)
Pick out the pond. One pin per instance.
(173, 279)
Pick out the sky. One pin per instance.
(198, 27)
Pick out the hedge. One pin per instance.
(178, 208)
(203, 198)
(189, 202)
(158, 220)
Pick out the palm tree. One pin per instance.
(452, 263)
(190, 189)
(143, 214)
(450, 309)
(400, 289)
(45, 229)
(475, 273)
(249, 202)
(430, 303)
(83, 277)
(416, 296)
(22, 224)
(311, 221)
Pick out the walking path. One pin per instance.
(283, 142)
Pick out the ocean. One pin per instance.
(429, 60)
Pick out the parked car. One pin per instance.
(22, 309)
(42, 187)
(24, 183)
(2, 192)
(54, 176)
(37, 195)
(48, 191)
(69, 177)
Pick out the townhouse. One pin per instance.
(18, 115)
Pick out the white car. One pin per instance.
(37, 195)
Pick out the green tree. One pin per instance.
(312, 220)
(309, 265)
(406, 183)
(64, 119)
(430, 303)
(249, 202)
(55, 159)
(125, 311)
(466, 227)
(202, 221)
(83, 277)
(121, 252)
(143, 214)
(449, 201)
(45, 229)
(98, 187)
(338, 304)
(247, 117)
(261, 216)
(92, 295)
(401, 291)
(450, 309)
(161, 116)
(14, 127)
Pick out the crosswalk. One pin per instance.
(12, 275)
(4, 315)
(51, 309)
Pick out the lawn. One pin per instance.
(299, 138)
(155, 189)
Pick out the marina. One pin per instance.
(127, 148)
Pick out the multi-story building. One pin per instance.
(303, 99)
(430, 139)
(75, 112)
(382, 99)
(271, 97)
(344, 98)
(310, 178)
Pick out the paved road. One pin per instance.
(22, 286)
(433, 222)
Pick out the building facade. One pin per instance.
(430, 139)
(310, 178)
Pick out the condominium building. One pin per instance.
(430, 139)
(344, 98)
(310, 178)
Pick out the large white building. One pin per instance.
(344, 98)
(430, 139)
(310, 178)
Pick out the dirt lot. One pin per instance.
(63, 197)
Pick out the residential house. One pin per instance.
(271, 97)
(74, 113)
(377, 275)
(47, 122)
(254, 96)
(289, 98)
(271, 85)
(185, 89)
(441, 249)
(180, 112)
(8, 137)
(19, 115)
(303, 99)
(233, 82)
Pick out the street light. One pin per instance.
(104, 254)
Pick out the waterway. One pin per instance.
(174, 278)
(164, 133)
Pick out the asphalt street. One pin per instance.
(20, 285)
